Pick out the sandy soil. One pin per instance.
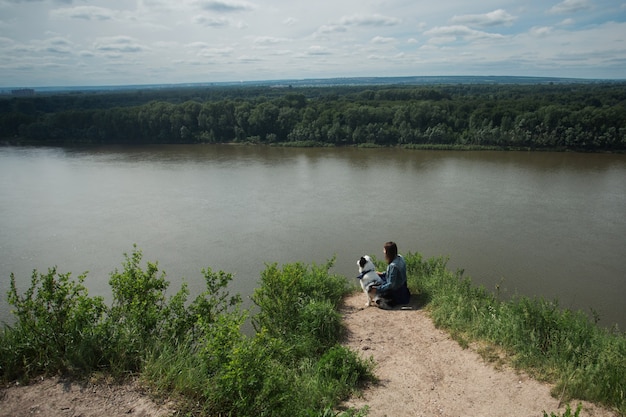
(422, 372)
(52, 397)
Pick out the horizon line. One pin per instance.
(309, 82)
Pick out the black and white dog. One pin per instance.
(368, 277)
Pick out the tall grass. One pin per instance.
(192, 350)
(561, 346)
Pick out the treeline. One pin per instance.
(583, 117)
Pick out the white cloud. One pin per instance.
(118, 44)
(332, 28)
(216, 52)
(369, 20)
(345, 23)
(318, 50)
(226, 6)
(154, 41)
(58, 40)
(210, 21)
(496, 18)
(4, 42)
(248, 59)
(268, 40)
(84, 12)
(570, 6)
(446, 34)
(540, 32)
(36, 1)
(382, 39)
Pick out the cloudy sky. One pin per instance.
(116, 42)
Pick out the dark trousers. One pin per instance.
(399, 296)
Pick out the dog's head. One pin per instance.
(365, 263)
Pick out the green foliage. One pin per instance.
(58, 328)
(254, 380)
(196, 351)
(341, 363)
(138, 309)
(291, 353)
(581, 116)
(298, 301)
(558, 345)
(193, 350)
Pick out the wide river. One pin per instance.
(539, 224)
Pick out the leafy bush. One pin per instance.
(298, 307)
(58, 329)
(298, 300)
(254, 380)
(193, 350)
(267, 373)
(341, 363)
(138, 309)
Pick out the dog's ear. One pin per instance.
(362, 261)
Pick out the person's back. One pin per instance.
(400, 293)
(395, 290)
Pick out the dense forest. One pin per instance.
(577, 116)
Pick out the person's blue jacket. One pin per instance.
(395, 287)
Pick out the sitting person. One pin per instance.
(394, 291)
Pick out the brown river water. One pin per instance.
(539, 224)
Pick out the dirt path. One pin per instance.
(54, 397)
(423, 372)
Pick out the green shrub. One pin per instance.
(194, 351)
(267, 373)
(342, 364)
(58, 328)
(137, 311)
(196, 343)
(284, 295)
(319, 322)
(219, 338)
(298, 305)
(253, 380)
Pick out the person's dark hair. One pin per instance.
(391, 251)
